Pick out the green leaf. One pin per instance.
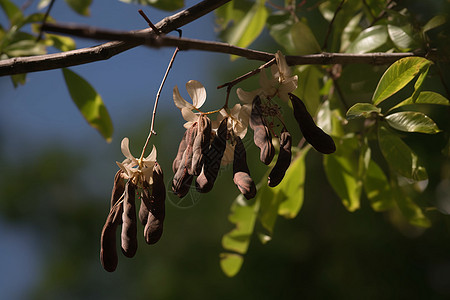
(350, 32)
(89, 103)
(309, 88)
(243, 215)
(231, 263)
(369, 40)
(270, 201)
(80, 6)
(434, 22)
(28, 47)
(250, 27)
(60, 42)
(292, 187)
(280, 30)
(419, 82)
(411, 121)
(426, 97)
(363, 110)
(400, 36)
(304, 40)
(19, 79)
(377, 188)
(342, 170)
(411, 211)
(13, 13)
(397, 76)
(399, 156)
(168, 5)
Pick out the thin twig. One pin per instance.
(381, 15)
(47, 12)
(158, 94)
(247, 75)
(330, 26)
(150, 24)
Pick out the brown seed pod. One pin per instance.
(283, 161)
(154, 226)
(191, 135)
(321, 141)
(261, 133)
(241, 173)
(118, 188)
(181, 149)
(181, 180)
(145, 202)
(108, 251)
(201, 144)
(129, 226)
(212, 159)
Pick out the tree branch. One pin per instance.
(145, 37)
(105, 51)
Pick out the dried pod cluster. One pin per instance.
(123, 212)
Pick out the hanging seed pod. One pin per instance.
(181, 149)
(145, 202)
(118, 187)
(108, 251)
(283, 161)
(154, 228)
(321, 141)
(201, 144)
(241, 173)
(182, 179)
(205, 181)
(261, 133)
(129, 226)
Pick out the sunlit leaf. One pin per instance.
(280, 30)
(397, 76)
(309, 88)
(426, 97)
(362, 110)
(350, 32)
(399, 156)
(434, 22)
(304, 40)
(268, 212)
(411, 121)
(168, 5)
(400, 36)
(19, 79)
(411, 211)
(89, 103)
(43, 4)
(63, 43)
(342, 169)
(292, 187)
(369, 40)
(80, 6)
(250, 27)
(13, 13)
(243, 215)
(419, 82)
(27, 47)
(231, 263)
(377, 188)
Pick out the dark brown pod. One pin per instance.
(118, 188)
(191, 135)
(261, 133)
(201, 145)
(283, 161)
(212, 159)
(241, 173)
(181, 149)
(321, 141)
(181, 182)
(144, 209)
(108, 251)
(129, 224)
(154, 226)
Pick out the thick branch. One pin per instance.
(105, 51)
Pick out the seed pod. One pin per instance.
(201, 144)
(154, 227)
(181, 149)
(118, 188)
(145, 202)
(129, 226)
(241, 173)
(261, 133)
(182, 179)
(205, 181)
(191, 135)
(108, 251)
(321, 141)
(283, 161)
